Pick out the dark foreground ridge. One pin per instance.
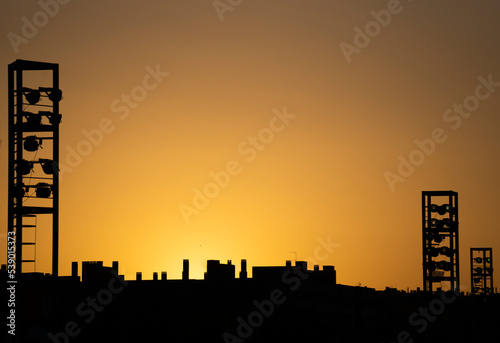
(278, 304)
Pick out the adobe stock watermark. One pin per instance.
(249, 148)
(223, 6)
(30, 27)
(292, 278)
(88, 309)
(121, 106)
(455, 115)
(373, 28)
(424, 316)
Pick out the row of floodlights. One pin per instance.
(480, 260)
(479, 270)
(42, 190)
(444, 265)
(35, 119)
(441, 223)
(436, 237)
(432, 251)
(441, 209)
(25, 167)
(33, 95)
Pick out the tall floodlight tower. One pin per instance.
(33, 159)
(481, 270)
(440, 239)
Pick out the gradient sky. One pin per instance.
(323, 176)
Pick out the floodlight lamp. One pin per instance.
(488, 259)
(31, 143)
(47, 166)
(478, 270)
(43, 190)
(443, 209)
(437, 238)
(433, 222)
(55, 95)
(55, 119)
(25, 167)
(33, 97)
(446, 251)
(478, 260)
(444, 265)
(447, 222)
(34, 119)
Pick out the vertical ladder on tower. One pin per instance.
(28, 225)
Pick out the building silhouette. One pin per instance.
(287, 303)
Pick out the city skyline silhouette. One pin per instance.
(281, 135)
(310, 292)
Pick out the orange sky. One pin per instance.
(318, 175)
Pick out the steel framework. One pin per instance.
(440, 239)
(481, 270)
(33, 189)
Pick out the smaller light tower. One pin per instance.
(481, 270)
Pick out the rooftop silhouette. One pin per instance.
(279, 303)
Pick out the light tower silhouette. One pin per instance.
(440, 239)
(33, 189)
(481, 270)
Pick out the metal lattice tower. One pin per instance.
(33, 172)
(440, 239)
(481, 270)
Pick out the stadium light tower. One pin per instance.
(440, 239)
(481, 270)
(33, 176)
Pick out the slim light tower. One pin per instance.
(33, 175)
(440, 239)
(481, 270)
